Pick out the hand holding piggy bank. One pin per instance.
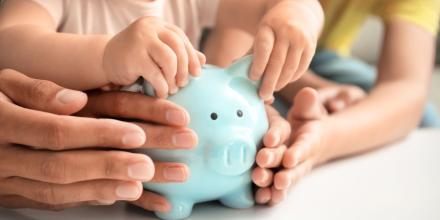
(230, 121)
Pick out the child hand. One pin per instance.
(339, 97)
(271, 154)
(285, 44)
(155, 50)
(306, 151)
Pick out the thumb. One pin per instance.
(40, 95)
(307, 105)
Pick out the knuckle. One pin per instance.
(5, 73)
(47, 194)
(54, 168)
(55, 135)
(38, 89)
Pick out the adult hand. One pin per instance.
(51, 160)
(164, 124)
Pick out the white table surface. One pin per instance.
(401, 181)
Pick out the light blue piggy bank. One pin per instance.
(230, 121)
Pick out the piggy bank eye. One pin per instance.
(214, 116)
(239, 113)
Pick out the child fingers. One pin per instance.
(157, 81)
(290, 67)
(273, 69)
(166, 172)
(166, 59)
(284, 179)
(263, 195)
(194, 60)
(298, 152)
(277, 196)
(263, 46)
(304, 63)
(271, 157)
(262, 177)
(178, 44)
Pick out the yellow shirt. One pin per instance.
(344, 18)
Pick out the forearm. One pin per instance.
(393, 108)
(73, 61)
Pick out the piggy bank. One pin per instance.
(230, 121)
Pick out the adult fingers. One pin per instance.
(43, 130)
(263, 46)
(167, 172)
(40, 94)
(74, 166)
(262, 177)
(279, 128)
(270, 157)
(165, 137)
(15, 202)
(55, 194)
(273, 69)
(135, 106)
(153, 202)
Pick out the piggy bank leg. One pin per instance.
(239, 199)
(180, 209)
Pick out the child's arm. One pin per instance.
(151, 48)
(285, 33)
(29, 43)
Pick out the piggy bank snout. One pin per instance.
(232, 158)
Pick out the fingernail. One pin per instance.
(160, 207)
(297, 158)
(133, 139)
(128, 191)
(184, 139)
(174, 90)
(270, 158)
(276, 139)
(139, 171)
(67, 96)
(176, 117)
(174, 174)
(102, 202)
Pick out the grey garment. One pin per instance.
(347, 70)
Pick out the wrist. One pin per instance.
(332, 138)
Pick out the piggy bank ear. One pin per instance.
(240, 81)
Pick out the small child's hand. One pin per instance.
(285, 44)
(339, 97)
(155, 50)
